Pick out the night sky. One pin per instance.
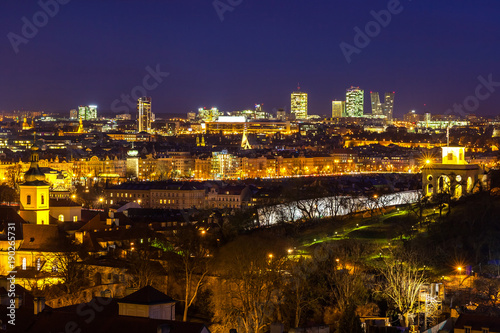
(93, 51)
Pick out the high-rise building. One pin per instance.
(191, 116)
(376, 105)
(87, 112)
(354, 101)
(73, 114)
(383, 109)
(209, 115)
(412, 117)
(338, 109)
(144, 115)
(281, 114)
(388, 107)
(299, 104)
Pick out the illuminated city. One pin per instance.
(168, 174)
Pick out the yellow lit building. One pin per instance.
(453, 176)
(299, 104)
(144, 115)
(338, 109)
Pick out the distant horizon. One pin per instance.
(187, 54)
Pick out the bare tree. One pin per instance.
(403, 281)
(193, 260)
(250, 290)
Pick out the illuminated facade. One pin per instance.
(299, 104)
(144, 115)
(354, 102)
(382, 109)
(209, 115)
(388, 106)
(453, 176)
(254, 127)
(376, 105)
(225, 165)
(87, 112)
(34, 194)
(338, 109)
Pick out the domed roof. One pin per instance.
(34, 173)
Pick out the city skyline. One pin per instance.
(64, 64)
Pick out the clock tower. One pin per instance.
(34, 193)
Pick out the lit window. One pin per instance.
(61, 218)
(24, 264)
(75, 218)
(38, 264)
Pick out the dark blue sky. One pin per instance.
(93, 51)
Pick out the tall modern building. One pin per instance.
(338, 109)
(144, 115)
(299, 104)
(388, 107)
(87, 112)
(354, 101)
(376, 105)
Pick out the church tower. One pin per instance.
(34, 193)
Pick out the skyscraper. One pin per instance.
(354, 102)
(338, 109)
(87, 112)
(144, 116)
(376, 105)
(299, 104)
(388, 107)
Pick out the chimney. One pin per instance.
(164, 328)
(38, 304)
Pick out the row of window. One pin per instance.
(155, 194)
(38, 262)
(28, 200)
